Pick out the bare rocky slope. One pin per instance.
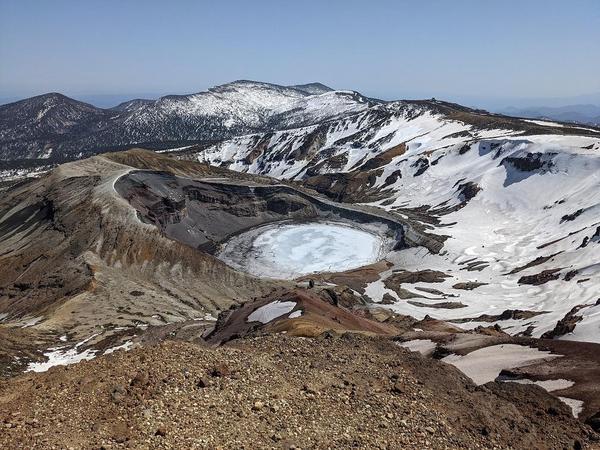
(76, 259)
(278, 392)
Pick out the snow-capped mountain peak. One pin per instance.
(312, 88)
(224, 111)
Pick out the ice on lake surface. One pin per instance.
(292, 250)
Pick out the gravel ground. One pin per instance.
(278, 392)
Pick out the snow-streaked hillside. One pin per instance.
(57, 126)
(519, 202)
(30, 128)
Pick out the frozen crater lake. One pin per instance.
(290, 250)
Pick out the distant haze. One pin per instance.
(488, 54)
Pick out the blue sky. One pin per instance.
(388, 49)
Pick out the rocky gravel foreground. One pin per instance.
(278, 392)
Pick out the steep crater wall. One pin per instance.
(204, 213)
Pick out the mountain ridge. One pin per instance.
(587, 114)
(56, 127)
(223, 111)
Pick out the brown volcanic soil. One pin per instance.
(278, 392)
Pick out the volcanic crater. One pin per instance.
(274, 231)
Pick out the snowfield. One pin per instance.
(514, 205)
(508, 225)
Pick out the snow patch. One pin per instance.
(60, 357)
(544, 123)
(548, 385)
(271, 311)
(485, 364)
(295, 314)
(33, 321)
(423, 346)
(576, 405)
(126, 346)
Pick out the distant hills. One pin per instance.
(583, 114)
(58, 127)
(55, 128)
